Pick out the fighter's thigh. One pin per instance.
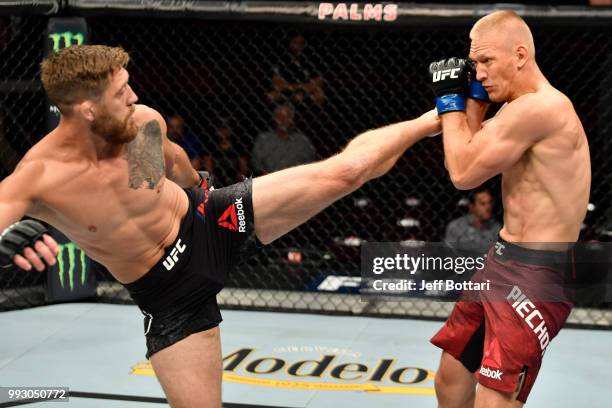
(455, 385)
(190, 371)
(489, 398)
(287, 198)
(452, 373)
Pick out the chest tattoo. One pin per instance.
(145, 158)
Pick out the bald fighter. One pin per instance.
(537, 143)
(110, 179)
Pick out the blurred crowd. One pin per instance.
(295, 86)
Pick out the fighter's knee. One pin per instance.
(443, 383)
(452, 391)
(351, 171)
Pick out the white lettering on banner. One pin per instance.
(357, 12)
(333, 283)
(240, 215)
(172, 259)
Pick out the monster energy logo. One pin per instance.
(71, 250)
(68, 39)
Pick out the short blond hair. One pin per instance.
(508, 25)
(80, 72)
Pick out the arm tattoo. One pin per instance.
(145, 158)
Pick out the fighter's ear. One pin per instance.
(86, 108)
(521, 54)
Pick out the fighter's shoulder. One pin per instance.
(44, 153)
(29, 176)
(554, 100)
(144, 114)
(32, 165)
(548, 101)
(538, 113)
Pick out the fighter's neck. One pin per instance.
(530, 81)
(86, 143)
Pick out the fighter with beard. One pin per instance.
(109, 178)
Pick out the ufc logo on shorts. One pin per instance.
(493, 374)
(172, 259)
(499, 247)
(442, 75)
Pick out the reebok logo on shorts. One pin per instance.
(233, 217)
(492, 358)
(492, 354)
(493, 374)
(201, 210)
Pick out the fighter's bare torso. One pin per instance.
(120, 209)
(545, 194)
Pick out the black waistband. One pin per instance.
(507, 251)
(151, 278)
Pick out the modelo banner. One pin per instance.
(319, 368)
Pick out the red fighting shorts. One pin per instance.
(501, 334)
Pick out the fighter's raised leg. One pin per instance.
(287, 198)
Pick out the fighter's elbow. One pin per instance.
(462, 181)
(462, 187)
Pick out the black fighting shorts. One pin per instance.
(178, 295)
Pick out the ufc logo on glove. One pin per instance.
(442, 75)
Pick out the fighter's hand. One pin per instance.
(476, 90)
(27, 245)
(449, 81)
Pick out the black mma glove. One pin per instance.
(15, 238)
(449, 81)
